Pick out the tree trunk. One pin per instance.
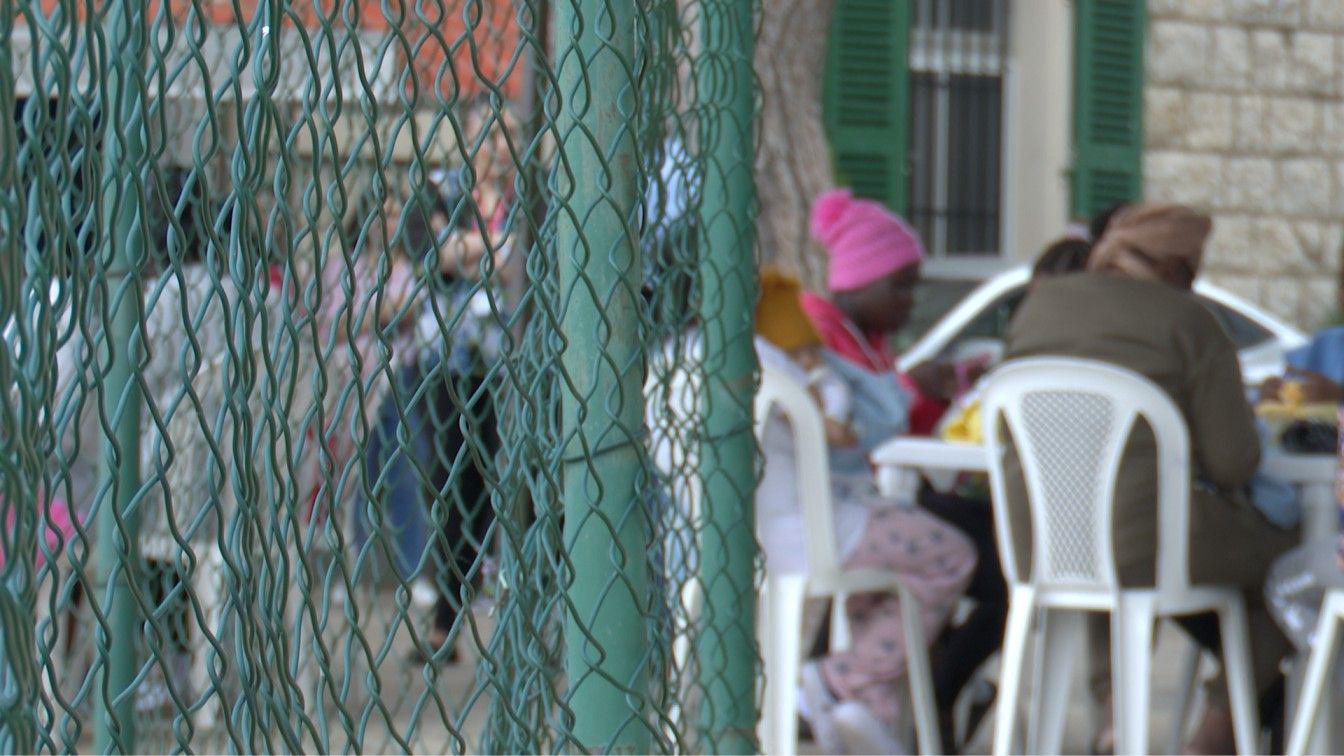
(793, 162)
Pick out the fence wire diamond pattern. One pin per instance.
(377, 376)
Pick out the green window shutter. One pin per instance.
(866, 96)
(1107, 104)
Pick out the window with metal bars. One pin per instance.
(916, 111)
(957, 51)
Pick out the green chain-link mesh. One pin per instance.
(377, 375)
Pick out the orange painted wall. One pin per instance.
(480, 38)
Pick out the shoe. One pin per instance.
(1214, 734)
(986, 693)
(815, 703)
(861, 731)
(1103, 743)
(423, 593)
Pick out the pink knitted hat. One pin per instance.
(865, 241)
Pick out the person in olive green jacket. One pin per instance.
(1133, 308)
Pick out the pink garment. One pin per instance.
(59, 529)
(496, 216)
(935, 561)
(865, 241)
(870, 352)
(867, 350)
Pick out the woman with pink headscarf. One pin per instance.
(873, 268)
(851, 698)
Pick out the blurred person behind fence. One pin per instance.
(461, 330)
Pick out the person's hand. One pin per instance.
(936, 379)
(460, 254)
(397, 290)
(1316, 388)
(506, 270)
(977, 369)
(839, 434)
(969, 372)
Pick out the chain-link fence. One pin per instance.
(377, 375)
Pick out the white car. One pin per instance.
(977, 324)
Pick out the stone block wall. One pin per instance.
(1244, 118)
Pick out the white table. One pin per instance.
(902, 457)
(1314, 475)
(902, 460)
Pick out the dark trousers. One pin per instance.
(464, 443)
(1203, 628)
(962, 648)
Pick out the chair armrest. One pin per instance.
(854, 581)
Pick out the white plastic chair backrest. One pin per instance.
(1070, 420)
(672, 407)
(782, 393)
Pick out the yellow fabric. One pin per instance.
(1301, 411)
(1293, 394)
(779, 316)
(965, 427)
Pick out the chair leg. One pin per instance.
(961, 712)
(764, 735)
(1237, 665)
(919, 675)
(208, 582)
(681, 650)
(1131, 662)
(1324, 647)
(1187, 678)
(1036, 644)
(783, 656)
(1061, 642)
(1021, 605)
(55, 663)
(840, 635)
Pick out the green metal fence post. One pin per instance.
(20, 666)
(727, 647)
(124, 152)
(605, 536)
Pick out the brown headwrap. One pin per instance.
(1151, 241)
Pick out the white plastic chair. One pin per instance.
(1324, 648)
(674, 451)
(785, 593)
(1070, 421)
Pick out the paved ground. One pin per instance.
(403, 685)
(1078, 732)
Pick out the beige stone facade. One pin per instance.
(1244, 117)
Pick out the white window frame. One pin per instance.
(1037, 117)
(1038, 122)
(959, 52)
